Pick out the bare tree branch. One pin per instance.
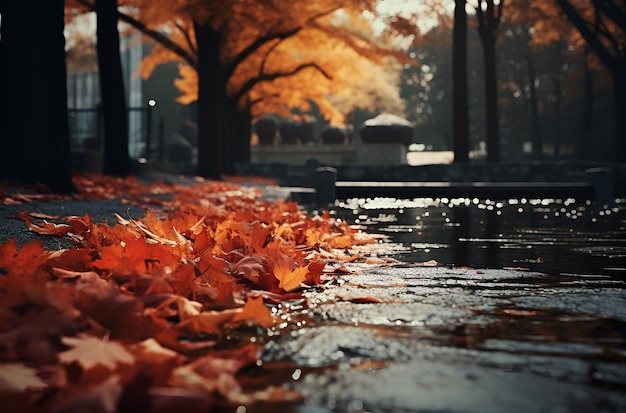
(157, 36)
(613, 11)
(268, 77)
(254, 46)
(188, 39)
(590, 36)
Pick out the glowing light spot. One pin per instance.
(296, 374)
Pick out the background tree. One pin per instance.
(460, 111)
(115, 113)
(488, 17)
(260, 45)
(521, 21)
(34, 130)
(603, 26)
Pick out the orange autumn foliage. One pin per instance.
(153, 299)
(282, 55)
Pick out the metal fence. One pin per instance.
(145, 135)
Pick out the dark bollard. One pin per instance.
(603, 182)
(326, 177)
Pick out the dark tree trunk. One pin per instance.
(211, 99)
(602, 42)
(115, 114)
(537, 141)
(491, 100)
(34, 130)
(557, 118)
(239, 137)
(231, 144)
(460, 105)
(584, 147)
(223, 128)
(620, 114)
(488, 22)
(245, 133)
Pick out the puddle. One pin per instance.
(459, 339)
(551, 236)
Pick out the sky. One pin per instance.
(406, 8)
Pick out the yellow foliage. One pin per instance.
(187, 84)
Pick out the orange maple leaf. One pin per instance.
(254, 312)
(23, 261)
(211, 322)
(290, 279)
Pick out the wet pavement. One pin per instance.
(467, 322)
(513, 305)
(433, 339)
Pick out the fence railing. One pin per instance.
(146, 131)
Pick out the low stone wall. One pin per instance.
(391, 154)
(476, 171)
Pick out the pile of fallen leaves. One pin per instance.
(156, 311)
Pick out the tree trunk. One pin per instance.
(34, 130)
(491, 97)
(460, 105)
(557, 118)
(620, 117)
(232, 144)
(211, 99)
(537, 141)
(114, 110)
(615, 63)
(488, 15)
(239, 137)
(584, 147)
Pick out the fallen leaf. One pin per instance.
(255, 312)
(150, 350)
(89, 351)
(248, 267)
(365, 299)
(210, 322)
(520, 313)
(22, 261)
(16, 377)
(102, 398)
(358, 299)
(370, 365)
(429, 263)
(290, 279)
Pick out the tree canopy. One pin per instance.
(279, 56)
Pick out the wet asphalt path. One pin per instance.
(410, 338)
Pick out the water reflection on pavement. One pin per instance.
(553, 236)
(524, 312)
